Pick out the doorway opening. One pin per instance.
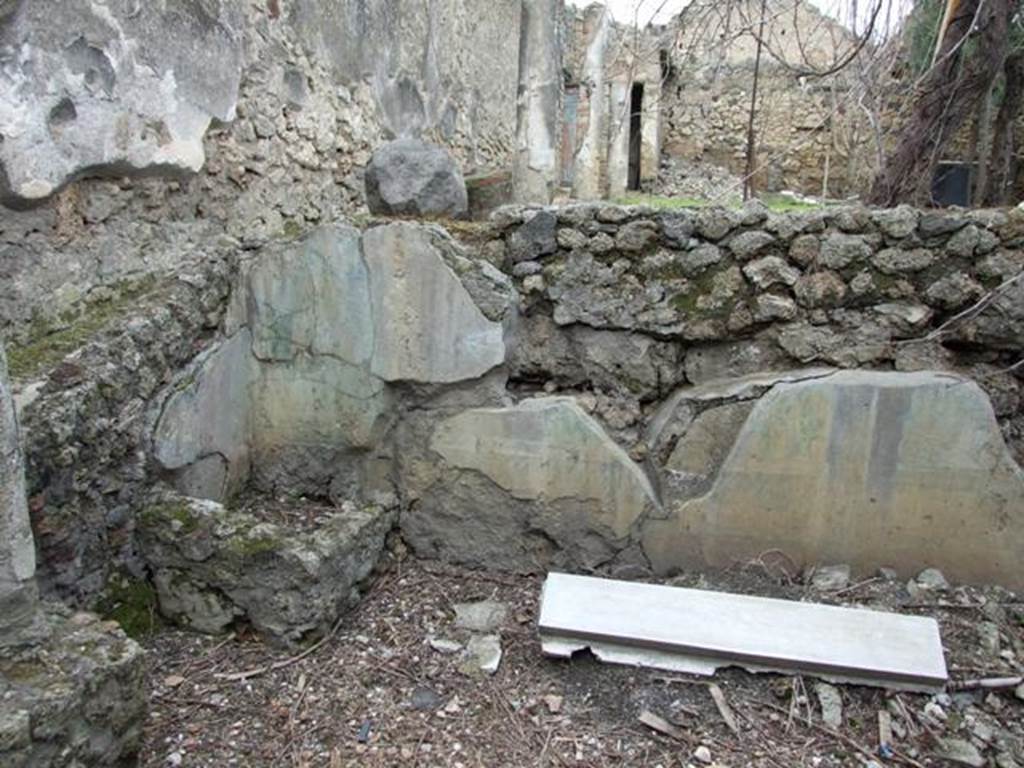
(636, 107)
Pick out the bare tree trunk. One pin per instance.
(946, 98)
(981, 144)
(748, 176)
(1000, 177)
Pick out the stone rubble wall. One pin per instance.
(283, 101)
(72, 689)
(86, 419)
(567, 387)
(727, 292)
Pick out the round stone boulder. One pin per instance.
(409, 177)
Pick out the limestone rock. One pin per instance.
(770, 271)
(676, 227)
(214, 565)
(831, 702)
(78, 699)
(426, 325)
(769, 307)
(897, 222)
(867, 468)
(805, 250)
(636, 236)
(609, 296)
(932, 579)
(1001, 324)
(934, 224)
(820, 289)
(483, 654)
(747, 245)
(954, 291)
(960, 752)
(541, 466)
(536, 238)
(90, 89)
(838, 251)
(409, 177)
(482, 616)
(19, 598)
(894, 261)
(203, 431)
(699, 259)
(829, 578)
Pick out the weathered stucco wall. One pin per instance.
(603, 61)
(296, 97)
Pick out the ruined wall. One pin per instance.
(283, 101)
(564, 389)
(808, 129)
(603, 61)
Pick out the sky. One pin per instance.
(623, 10)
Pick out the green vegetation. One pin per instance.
(50, 342)
(250, 546)
(662, 203)
(158, 515)
(775, 202)
(132, 603)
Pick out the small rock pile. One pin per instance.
(682, 178)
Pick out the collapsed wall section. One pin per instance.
(573, 390)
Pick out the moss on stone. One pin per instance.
(688, 301)
(292, 229)
(157, 515)
(22, 672)
(51, 341)
(132, 603)
(250, 546)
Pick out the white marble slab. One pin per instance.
(689, 630)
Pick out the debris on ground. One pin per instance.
(830, 578)
(483, 654)
(831, 702)
(482, 616)
(372, 666)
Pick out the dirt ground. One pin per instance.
(376, 693)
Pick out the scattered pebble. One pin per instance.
(960, 752)
(442, 645)
(424, 699)
(831, 702)
(553, 703)
(830, 578)
(483, 616)
(484, 654)
(932, 578)
(702, 754)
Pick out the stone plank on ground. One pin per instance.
(699, 631)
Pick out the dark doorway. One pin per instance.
(952, 184)
(636, 108)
